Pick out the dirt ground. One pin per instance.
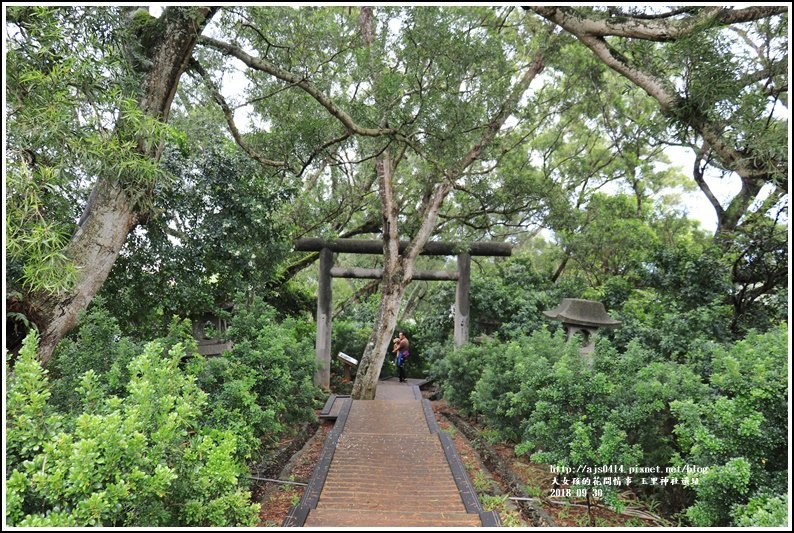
(277, 499)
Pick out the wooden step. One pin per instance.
(346, 518)
(333, 406)
(390, 467)
(387, 417)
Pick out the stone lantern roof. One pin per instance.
(587, 313)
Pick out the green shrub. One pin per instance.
(506, 391)
(209, 495)
(233, 403)
(264, 385)
(639, 408)
(139, 460)
(641, 404)
(97, 345)
(741, 429)
(571, 390)
(281, 357)
(716, 490)
(459, 371)
(593, 445)
(30, 416)
(629, 393)
(762, 511)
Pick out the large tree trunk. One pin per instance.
(94, 249)
(379, 343)
(110, 213)
(392, 288)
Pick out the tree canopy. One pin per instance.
(277, 122)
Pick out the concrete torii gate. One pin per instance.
(327, 248)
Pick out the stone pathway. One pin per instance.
(386, 463)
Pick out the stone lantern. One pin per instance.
(584, 316)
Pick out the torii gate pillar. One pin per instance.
(322, 375)
(462, 300)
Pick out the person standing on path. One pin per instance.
(402, 344)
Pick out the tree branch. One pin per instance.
(659, 30)
(697, 173)
(778, 67)
(265, 66)
(227, 112)
(743, 164)
(369, 288)
(322, 147)
(432, 204)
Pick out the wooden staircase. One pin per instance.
(391, 466)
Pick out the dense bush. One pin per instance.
(278, 355)
(677, 299)
(30, 415)
(505, 391)
(642, 391)
(140, 460)
(636, 408)
(620, 398)
(97, 345)
(459, 370)
(233, 403)
(740, 431)
(263, 386)
(158, 438)
(761, 511)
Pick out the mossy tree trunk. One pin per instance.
(163, 51)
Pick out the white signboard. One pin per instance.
(346, 358)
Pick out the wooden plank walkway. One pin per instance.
(386, 463)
